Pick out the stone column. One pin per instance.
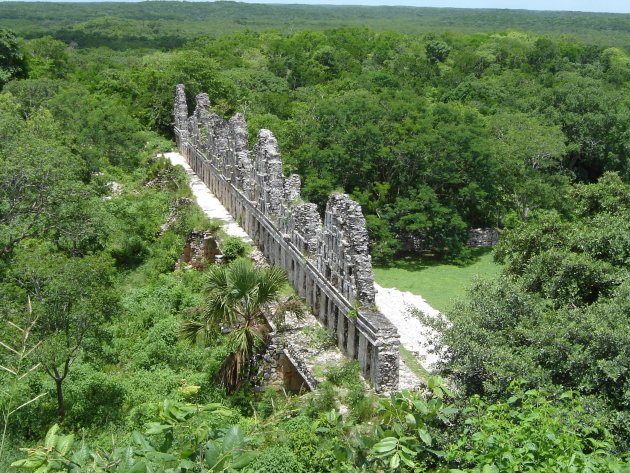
(181, 108)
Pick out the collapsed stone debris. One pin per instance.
(327, 262)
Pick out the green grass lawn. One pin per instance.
(439, 283)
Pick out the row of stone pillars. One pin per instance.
(363, 333)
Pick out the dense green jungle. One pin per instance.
(435, 120)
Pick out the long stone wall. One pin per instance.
(327, 262)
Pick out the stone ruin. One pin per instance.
(200, 249)
(416, 242)
(327, 262)
(483, 237)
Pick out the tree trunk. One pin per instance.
(61, 408)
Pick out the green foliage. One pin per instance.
(240, 296)
(557, 316)
(233, 247)
(46, 57)
(437, 51)
(94, 398)
(99, 128)
(325, 398)
(278, 459)
(51, 456)
(18, 367)
(169, 443)
(136, 220)
(70, 299)
(32, 94)
(319, 337)
(12, 64)
(528, 432)
(404, 437)
(166, 25)
(41, 195)
(344, 375)
(531, 156)
(432, 133)
(151, 85)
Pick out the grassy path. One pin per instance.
(438, 283)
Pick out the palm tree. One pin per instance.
(239, 297)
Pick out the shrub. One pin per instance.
(233, 247)
(157, 347)
(346, 374)
(94, 398)
(529, 429)
(324, 399)
(277, 459)
(129, 251)
(308, 445)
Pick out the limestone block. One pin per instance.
(181, 108)
(347, 237)
(292, 189)
(308, 225)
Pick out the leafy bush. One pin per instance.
(157, 347)
(558, 316)
(529, 432)
(94, 397)
(277, 459)
(324, 399)
(308, 444)
(407, 427)
(129, 251)
(233, 247)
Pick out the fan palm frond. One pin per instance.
(196, 331)
(243, 340)
(270, 283)
(237, 294)
(217, 279)
(243, 278)
(290, 305)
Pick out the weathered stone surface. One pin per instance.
(329, 265)
(345, 252)
(202, 110)
(307, 224)
(241, 161)
(181, 108)
(292, 189)
(416, 242)
(483, 237)
(269, 179)
(200, 249)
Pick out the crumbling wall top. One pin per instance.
(328, 261)
(181, 108)
(339, 247)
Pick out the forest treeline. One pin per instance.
(170, 24)
(432, 133)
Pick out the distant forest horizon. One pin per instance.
(176, 22)
(448, 4)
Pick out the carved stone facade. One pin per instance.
(327, 262)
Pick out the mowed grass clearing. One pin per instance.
(440, 284)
